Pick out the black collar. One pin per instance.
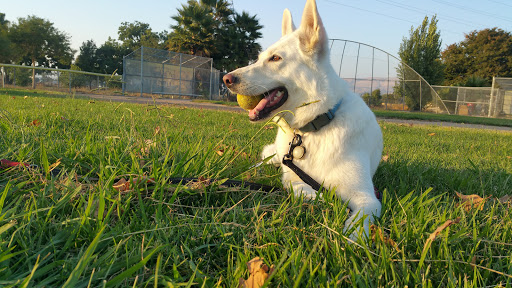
(320, 120)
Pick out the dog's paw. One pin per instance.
(357, 232)
(268, 151)
(302, 189)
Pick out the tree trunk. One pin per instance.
(34, 74)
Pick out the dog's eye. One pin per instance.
(274, 58)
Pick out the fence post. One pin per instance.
(3, 77)
(14, 74)
(179, 85)
(492, 100)
(421, 106)
(211, 78)
(58, 79)
(141, 70)
(357, 63)
(123, 78)
(70, 82)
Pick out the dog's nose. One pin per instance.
(229, 79)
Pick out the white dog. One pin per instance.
(339, 133)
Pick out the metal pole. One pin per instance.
(421, 106)
(3, 78)
(492, 96)
(123, 79)
(58, 79)
(141, 69)
(371, 83)
(179, 86)
(387, 89)
(69, 82)
(457, 102)
(14, 74)
(211, 78)
(342, 55)
(403, 88)
(357, 63)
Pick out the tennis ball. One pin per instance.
(248, 102)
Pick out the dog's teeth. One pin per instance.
(279, 93)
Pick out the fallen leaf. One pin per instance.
(124, 185)
(431, 134)
(439, 229)
(471, 201)
(258, 274)
(25, 97)
(157, 130)
(36, 122)
(385, 158)
(220, 152)
(377, 232)
(505, 199)
(148, 144)
(91, 102)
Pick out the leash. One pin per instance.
(315, 125)
(5, 163)
(288, 162)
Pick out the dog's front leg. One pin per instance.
(366, 208)
(302, 189)
(268, 151)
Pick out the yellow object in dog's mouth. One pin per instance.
(248, 102)
(261, 106)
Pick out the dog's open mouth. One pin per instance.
(273, 99)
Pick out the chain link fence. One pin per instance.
(495, 101)
(382, 79)
(63, 80)
(167, 73)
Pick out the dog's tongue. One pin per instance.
(253, 113)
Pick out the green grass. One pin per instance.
(226, 103)
(76, 230)
(443, 117)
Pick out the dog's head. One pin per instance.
(291, 72)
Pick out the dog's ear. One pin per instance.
(313, 37)
(287, 26)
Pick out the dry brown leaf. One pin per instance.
(258, 274)
(123, 185)
(220, 152)
(431, 134)
(385, 158)
(54, 165)
(201, 183)
(36, 122)
(471, 201)
(439, 229)
(505, 199)
(377, 232)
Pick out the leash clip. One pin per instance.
(296, 149)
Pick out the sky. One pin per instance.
(380, 23)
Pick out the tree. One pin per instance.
(110, 57)
(422, 52)
(37, 41)
(87, 59)
(483, 54)
(136, 34)
(374, 99)
(213, 29)
(5, 43)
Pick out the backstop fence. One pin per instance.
(63, 80)
(383, 80)
(495, 101)
(155, 71)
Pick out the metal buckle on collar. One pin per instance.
(296, 143)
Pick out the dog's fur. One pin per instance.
(345, 153)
